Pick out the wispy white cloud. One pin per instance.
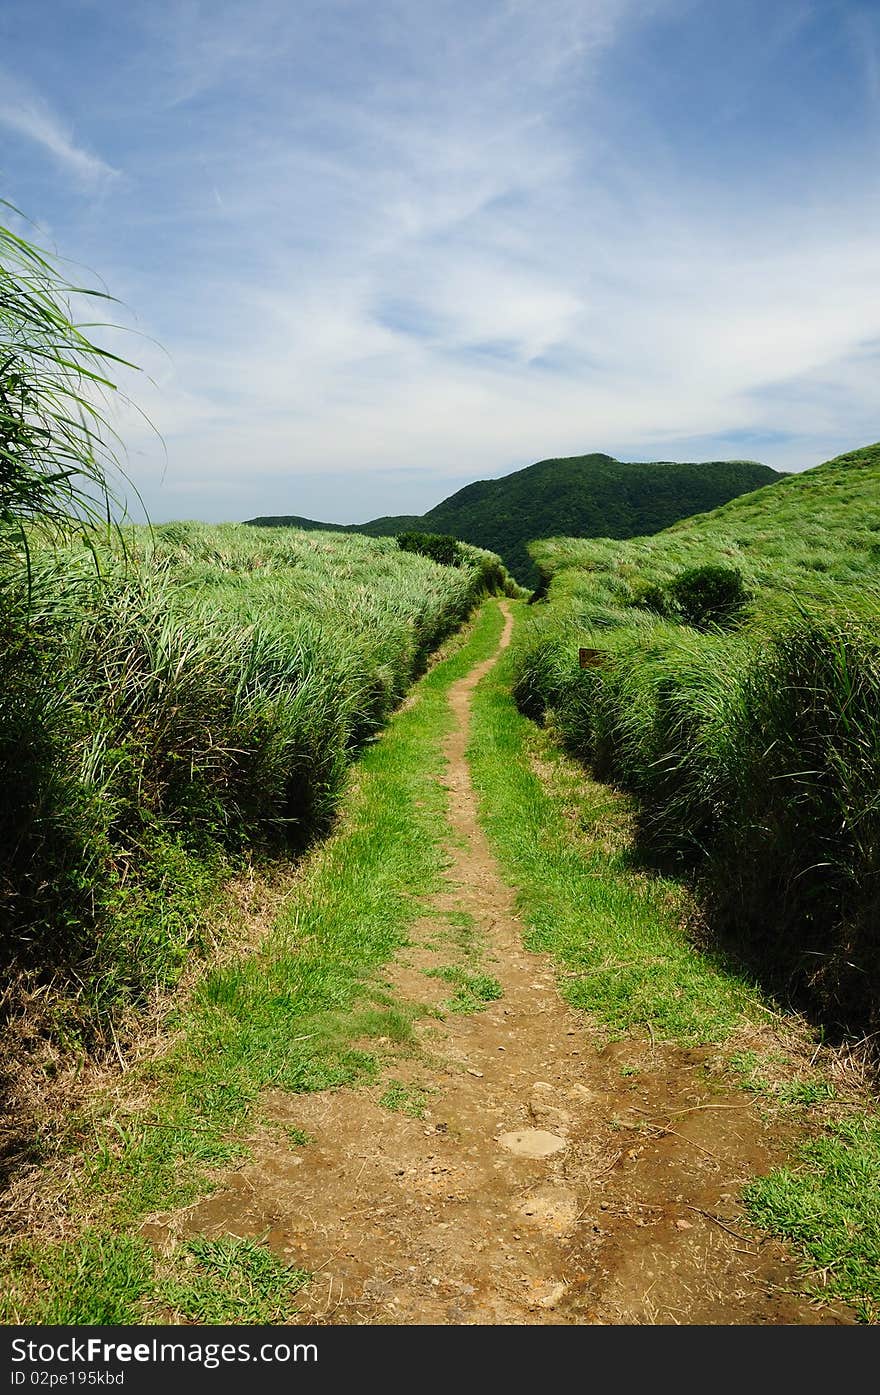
(23, 110)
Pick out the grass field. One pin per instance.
(301, 1009)
(750, 740)
(169, 704)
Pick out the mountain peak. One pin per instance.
(591, 495)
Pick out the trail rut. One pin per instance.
(553, 1178)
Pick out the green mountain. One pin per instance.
(580, 496)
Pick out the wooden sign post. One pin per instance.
(591, 658)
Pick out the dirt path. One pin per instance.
(551, 1179)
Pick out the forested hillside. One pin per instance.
(581, 496)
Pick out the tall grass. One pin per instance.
(57, 448)
(754, 750)
(197, 695)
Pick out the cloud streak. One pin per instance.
(27, 114)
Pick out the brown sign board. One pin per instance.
(591, 658)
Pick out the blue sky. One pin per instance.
(374, 249)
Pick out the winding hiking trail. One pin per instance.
(543, 1183)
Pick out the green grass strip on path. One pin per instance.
(828, 1204)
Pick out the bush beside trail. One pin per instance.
(440, 547)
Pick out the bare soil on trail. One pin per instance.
(552, 1178)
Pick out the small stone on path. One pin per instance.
(532, 1143)
(544, 1293)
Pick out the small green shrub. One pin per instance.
(708, 595)
(652, 597)
(440, 547)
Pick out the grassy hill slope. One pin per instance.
(812, 533)
(583, 495)
(752, 746)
